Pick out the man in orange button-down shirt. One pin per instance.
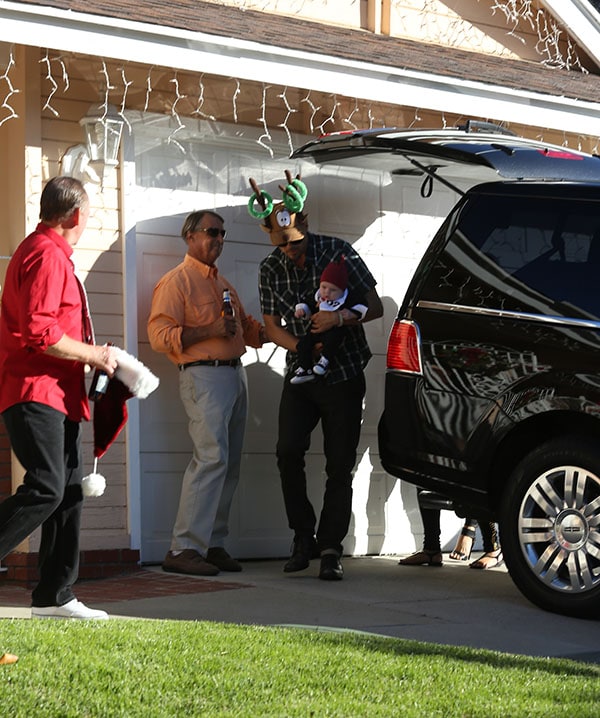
(187, 323)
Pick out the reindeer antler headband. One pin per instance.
(281, 219)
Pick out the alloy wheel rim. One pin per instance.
(559, 529)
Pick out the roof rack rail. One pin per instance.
(479, 126)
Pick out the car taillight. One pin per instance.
(404, 350)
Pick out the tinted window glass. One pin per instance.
(546, 244)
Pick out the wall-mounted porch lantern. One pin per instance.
(103, 127)
(89, 162)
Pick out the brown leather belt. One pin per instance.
(211, 362)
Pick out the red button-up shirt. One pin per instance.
(41, 302)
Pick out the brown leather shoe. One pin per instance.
(222, 560)
(7, 659)
(189, 561)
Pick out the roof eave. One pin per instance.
(150, 44)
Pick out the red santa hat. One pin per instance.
(110, 416)
(131, 379)
(336, 273)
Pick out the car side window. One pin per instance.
(547, 245)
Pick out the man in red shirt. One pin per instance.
(46, 340)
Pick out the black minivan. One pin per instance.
(492, 394)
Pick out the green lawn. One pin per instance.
(161, 668)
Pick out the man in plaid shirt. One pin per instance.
(288, 276)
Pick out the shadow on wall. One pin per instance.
(163, 425)
(264, 388)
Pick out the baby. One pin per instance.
(332, 295)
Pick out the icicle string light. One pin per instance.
(126, 85)
(10, 90)
(198, 111)
(331, 117)
(314, 109)
(53, 85)
(179, 125)
(553, 44)
(234, 98)
(148, 89)
(283, 125)
(525, 22)
(266, 135)
(348, 120)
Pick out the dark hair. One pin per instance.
(194, 219)
(60, 198)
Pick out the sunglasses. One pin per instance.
(213, 232)
(290, 244)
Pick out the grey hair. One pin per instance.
(194, 219)
(60, 198)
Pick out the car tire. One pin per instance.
(550, 527)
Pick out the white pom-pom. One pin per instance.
(93, 485)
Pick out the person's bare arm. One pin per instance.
(96, 355)
(278, 334)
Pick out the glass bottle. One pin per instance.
(99, 384)
(227, 306)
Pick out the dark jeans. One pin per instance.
(48, 446)
(339, 408)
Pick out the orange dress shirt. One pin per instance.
(191, 295)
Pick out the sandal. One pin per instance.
(491, 559)
(464, 545)
(422, 558)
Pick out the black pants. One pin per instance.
(339, 408)
(48, 446)
(331, 340)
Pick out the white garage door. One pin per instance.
(368, 211)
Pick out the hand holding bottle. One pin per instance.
(228, 313)
(106, 364)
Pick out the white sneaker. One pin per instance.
(320, 368)
(301, 376)
(72, 609)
